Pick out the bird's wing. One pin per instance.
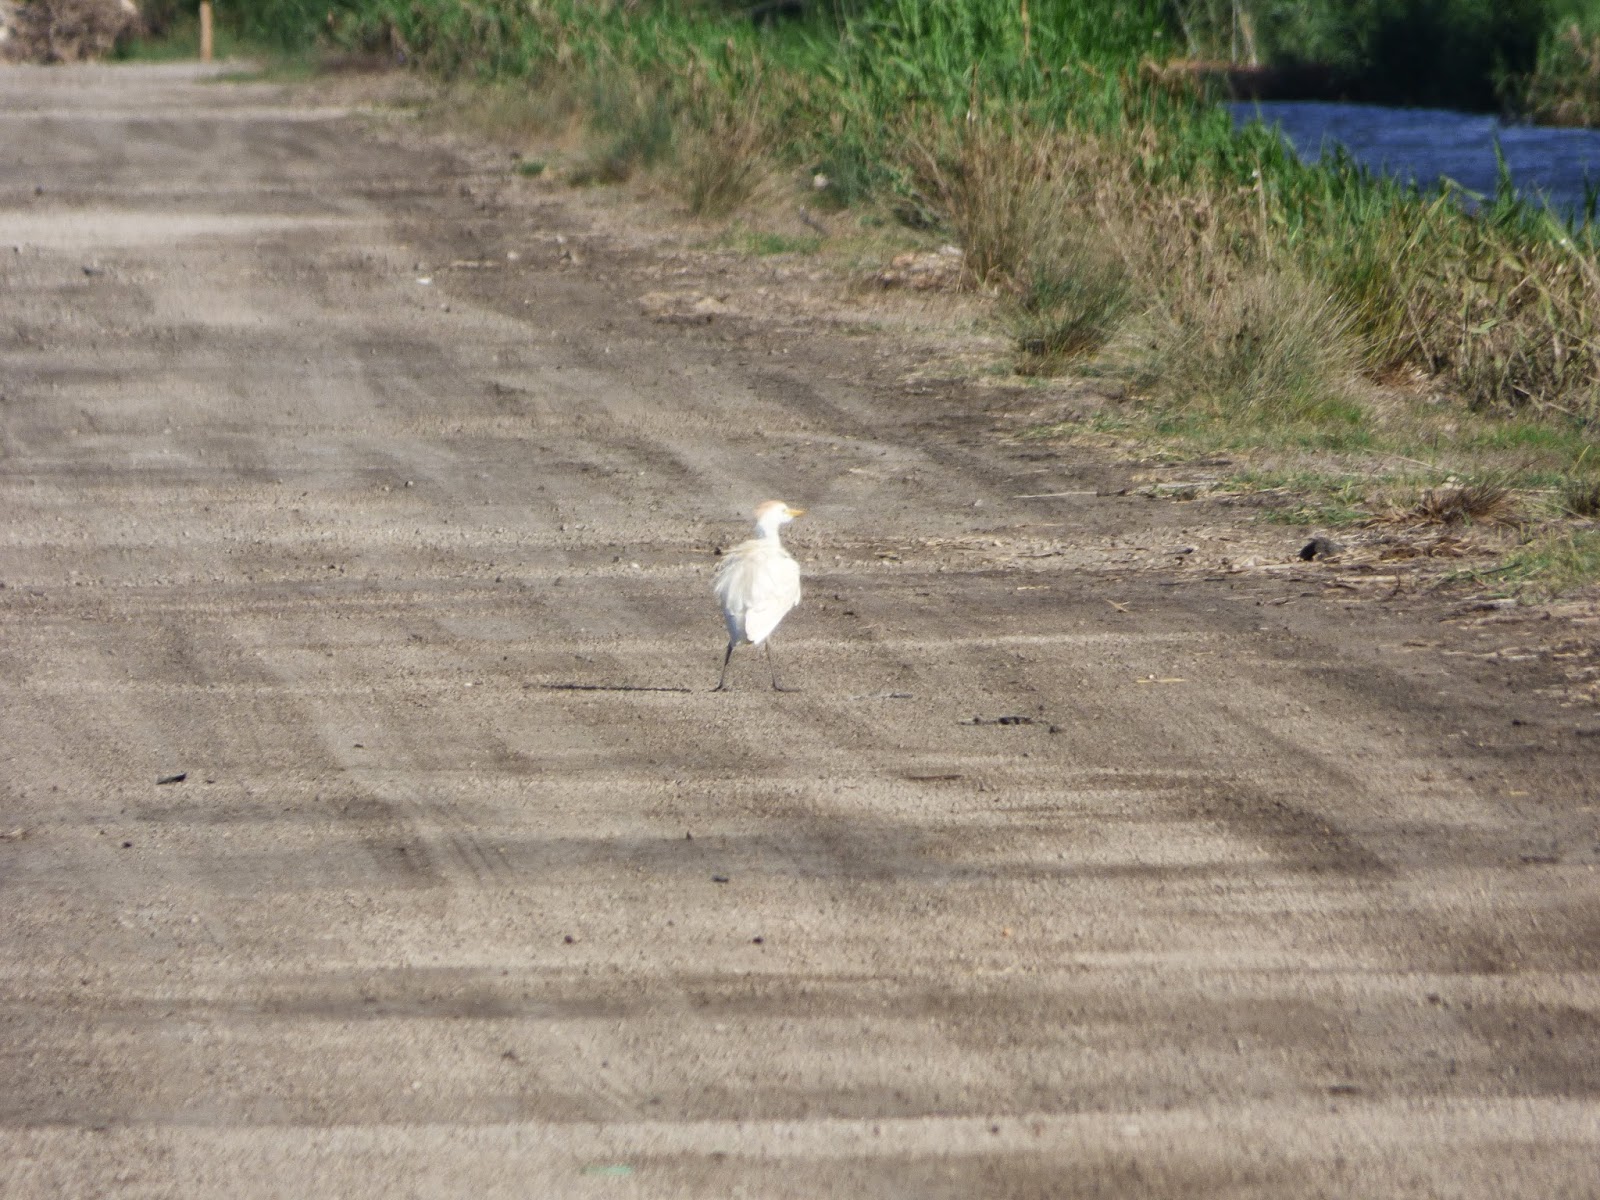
(777, 591)
(733, 572)
(757, 584)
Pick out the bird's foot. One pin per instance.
(784, 687)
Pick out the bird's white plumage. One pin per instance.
(758, 583)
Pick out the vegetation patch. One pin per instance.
(1265, 348)
(632, 127)
(723, 161)
(765, 243)
(1552, 562)
(1564, 88)
(1484, 502)
(1580, 498)
(1073, 296)
(1304, 316)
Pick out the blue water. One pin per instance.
(1420, 145)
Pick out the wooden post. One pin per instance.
(205, 30)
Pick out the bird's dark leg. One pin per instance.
(722, 684)
(772, 665)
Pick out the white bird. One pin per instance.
(757, 584)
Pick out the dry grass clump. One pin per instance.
(62, 31)
(1074, 295)
(722, 161)
(1082, 274)
(1501, 307)
(1265, 348)
(1516, 325)
(1025, 205)
(1028, 206)
(1000, 187)
(632, 127)
(1235, 332)
(1483, 502)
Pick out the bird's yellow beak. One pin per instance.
(797, 512)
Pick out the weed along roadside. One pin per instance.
(1349, 343)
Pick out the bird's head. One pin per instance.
(772, 514)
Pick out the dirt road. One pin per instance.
(348, 486)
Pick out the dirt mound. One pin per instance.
(58, 31)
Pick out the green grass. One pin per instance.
(1552, 563)
(766, 244)
(1309, 498)
(181, 43)
(1522, 433)
(1564, 88)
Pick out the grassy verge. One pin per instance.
(1242, 299)
(1525, 491)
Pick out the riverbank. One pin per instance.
(1320, 322)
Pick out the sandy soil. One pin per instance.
(370, 494)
